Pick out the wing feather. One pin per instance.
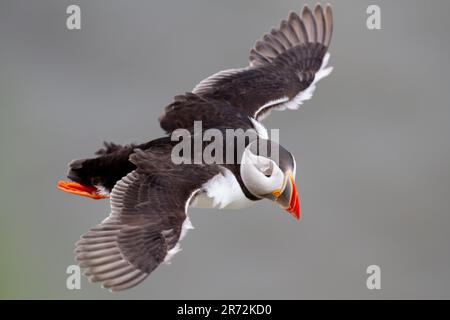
(147, 221)
(285, 63)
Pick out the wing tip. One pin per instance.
(307, 27)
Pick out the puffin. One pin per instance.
(150, 193)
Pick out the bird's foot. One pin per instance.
(80, 190)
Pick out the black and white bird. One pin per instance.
(150, 194)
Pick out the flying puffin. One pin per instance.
(150, 194)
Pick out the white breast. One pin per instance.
(223, 192)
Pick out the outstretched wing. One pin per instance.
(284, 66)
(147, 220)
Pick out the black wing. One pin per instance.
(185, 109)
(284, 67)
(148, 210)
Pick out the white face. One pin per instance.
(261, 175)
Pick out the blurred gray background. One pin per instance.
(372, 147)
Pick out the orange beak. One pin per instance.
(80, 190)
(289, 199)
(294, 202)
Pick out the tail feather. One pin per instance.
(103, 172)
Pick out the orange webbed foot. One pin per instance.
(80, 190)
